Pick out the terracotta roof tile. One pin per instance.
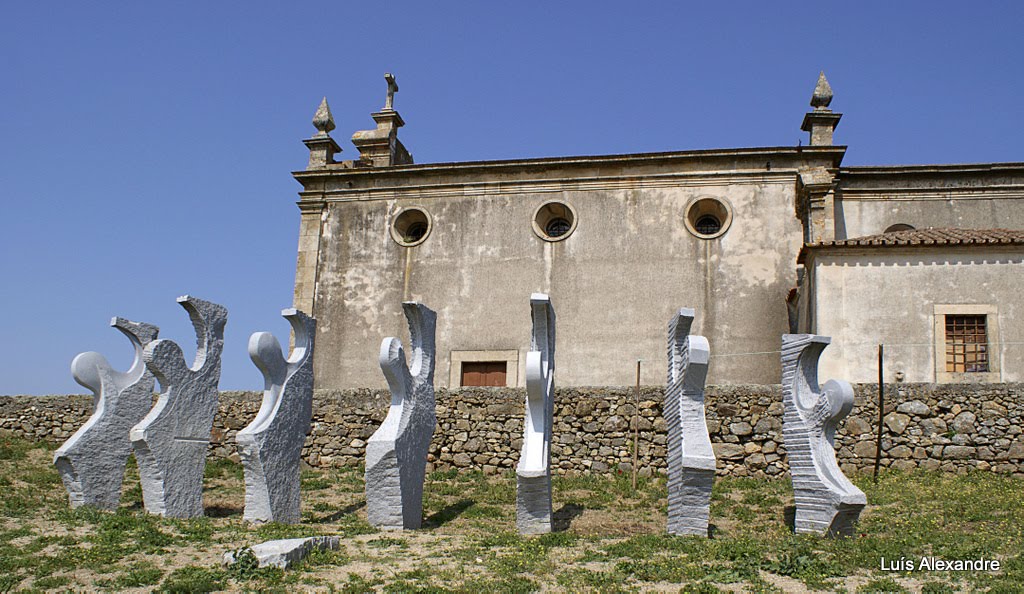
(932, 236)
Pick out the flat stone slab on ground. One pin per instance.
(287, 552)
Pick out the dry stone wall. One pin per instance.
(950, 427)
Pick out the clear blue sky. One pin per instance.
(147, 147)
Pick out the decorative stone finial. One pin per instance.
(822, 93)
(821, 122)
(389, 103)
(323, 120)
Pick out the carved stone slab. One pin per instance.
(91, 463)
(691, 461)
(533, 474)
(287, 552)
(396, 455)
(826, 501)
(271, 444)
(171, 441)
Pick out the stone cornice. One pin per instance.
(541, 186)
(711, 159)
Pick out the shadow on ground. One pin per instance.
(348, 509)
(448, 513)
(563, 517)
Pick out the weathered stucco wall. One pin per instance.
(983, 196)
(614, 282)
(864, 298)
(951, 427)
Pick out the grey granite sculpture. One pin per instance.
(396, 454)
(826, 501)
(691, 461)
(271, 444)
(533, 475)
(171, 441)
(91, 463)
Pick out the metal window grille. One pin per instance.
(966, 344)
(708, 225)
(557, 227)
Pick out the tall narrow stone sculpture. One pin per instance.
(533, 475)
(170, 443)
(691, 461)
(396, 455)
(826, 501)
(270, 446)
(91, 463)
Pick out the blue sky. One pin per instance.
(147, 147)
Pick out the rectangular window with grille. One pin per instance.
(966, 344)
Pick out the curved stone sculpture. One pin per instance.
(171, 442)
(91, 463)
(533, 474)
(691, 460)
(396, 454)
(270, 446)
(826, 501)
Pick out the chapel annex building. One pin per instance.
(759, 241)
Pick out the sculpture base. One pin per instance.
(533, 504)
(835, 521)
(689, 503)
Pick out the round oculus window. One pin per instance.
(410, 227)
(707, 218)
(554, 221)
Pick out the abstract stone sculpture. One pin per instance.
(171, 442)
(396, 455)
(826, 501)
(691, 461)
(270, 446)
(533, 475)
(91, 463)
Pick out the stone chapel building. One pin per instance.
(759, 241)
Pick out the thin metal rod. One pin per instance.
(881, 410)
(636, 424)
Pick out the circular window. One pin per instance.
(554, 221)
(410, 227)
(899, 227)
(708, 218)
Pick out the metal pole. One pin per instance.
(636, 424)
(881, 411)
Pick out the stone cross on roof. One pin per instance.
(392, 89)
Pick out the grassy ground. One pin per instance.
(608, 538)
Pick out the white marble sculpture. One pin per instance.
(533, 475)
(171, 441)
(691, 461)
(396, 454)
(826, 501)
(91, 463)
(270, 446)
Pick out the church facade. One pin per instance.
(759, 241)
